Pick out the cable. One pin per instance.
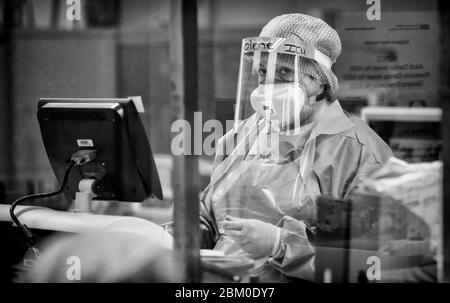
(23, 228)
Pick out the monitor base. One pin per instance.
(83, 198)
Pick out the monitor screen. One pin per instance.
(413, 134)
(123, 168)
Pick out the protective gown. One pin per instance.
(329, 158)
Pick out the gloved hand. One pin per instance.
(256, 237)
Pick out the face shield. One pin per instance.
(271, 84)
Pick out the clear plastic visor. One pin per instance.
(270, 83)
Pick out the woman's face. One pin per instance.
(286, 74)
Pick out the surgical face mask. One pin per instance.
(280, 103)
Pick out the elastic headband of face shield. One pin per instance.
(285, 46)
(263, 65)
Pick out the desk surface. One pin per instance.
(48, 219)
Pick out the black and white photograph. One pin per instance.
(224, 147)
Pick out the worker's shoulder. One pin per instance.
(361, 139)
(370, 140)
(364, 134)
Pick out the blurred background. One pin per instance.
(120, 48)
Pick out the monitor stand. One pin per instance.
(83, 198)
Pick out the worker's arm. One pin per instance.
(208, 224)
(295, 254)
(208, 227)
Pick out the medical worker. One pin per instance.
(291, 143)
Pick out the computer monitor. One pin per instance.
(123, 168)
(413, 133)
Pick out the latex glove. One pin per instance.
(256, 237)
